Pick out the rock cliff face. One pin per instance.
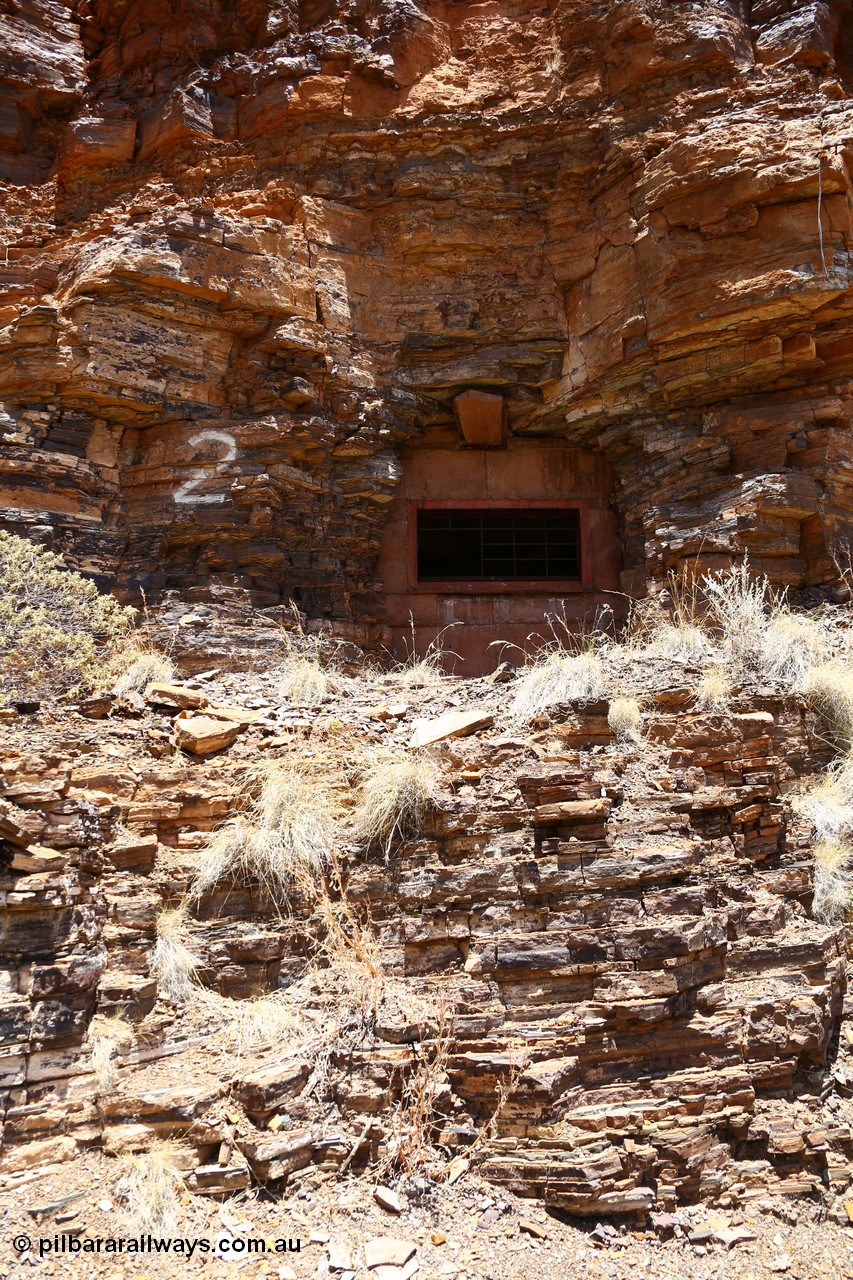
(251, 249)
(618, 935)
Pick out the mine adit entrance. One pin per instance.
(491, 538)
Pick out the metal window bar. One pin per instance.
(493, 544)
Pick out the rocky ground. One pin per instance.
(457, 1232)
(596, 963)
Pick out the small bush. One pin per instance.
(833, 881)
(625, 717)
(761, 634)
(56, 630)
(394, 796)
(739, 604)
(793, 645)
(285, 836)
(172, 963)
(553, 678)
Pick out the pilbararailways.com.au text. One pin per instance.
(224, 1245)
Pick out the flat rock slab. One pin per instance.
(572, 811)
(202, 735)
(174, 695)
(453, 724)
(396, 1273)
(388, 1251)
(239, 715)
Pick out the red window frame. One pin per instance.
(518, 586)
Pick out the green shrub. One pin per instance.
(58, 634)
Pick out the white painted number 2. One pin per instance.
(185, 493)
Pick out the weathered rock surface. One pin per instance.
(247, 254)
(618, 938)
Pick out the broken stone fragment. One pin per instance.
(388, 1251)
(202, 735)
(453, 724)
(396, 1273)
(174, 695)
(532, 1228)
(572, 811)
(340, 1256)
(388, 1199)
(239, 715)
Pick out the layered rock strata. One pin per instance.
(248, 252)
(605, 948)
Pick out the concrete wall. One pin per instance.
(521, 472)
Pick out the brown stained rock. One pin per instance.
(267, 1089)
(237, 715)
(174, 695)
(388, 1199)
(272, 1158)
(453, 724)
(569, 811)
(531, 1228)
(37, 858)
(202, 735)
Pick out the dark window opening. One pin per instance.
(493, 544)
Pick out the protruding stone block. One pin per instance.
(481, 417)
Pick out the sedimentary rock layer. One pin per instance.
(248, 252)
(618, 937)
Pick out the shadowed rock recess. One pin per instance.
(255, 258)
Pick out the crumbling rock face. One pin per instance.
(618, 937)
(250, 250)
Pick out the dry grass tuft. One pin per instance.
(714, 690)
(833, 881)
(625, 717)
(107, 1037)
(304, 671)
(243, 1027)
(283, 839)
(680, 642)
(829, 689)
(152, 1187)
(792, 647)
(829, 805)
(393, 798)
(172, 963)
(420, 671)
(141, 667)
(302, 680)
(555, 677)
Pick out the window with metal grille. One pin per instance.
(493, 544)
